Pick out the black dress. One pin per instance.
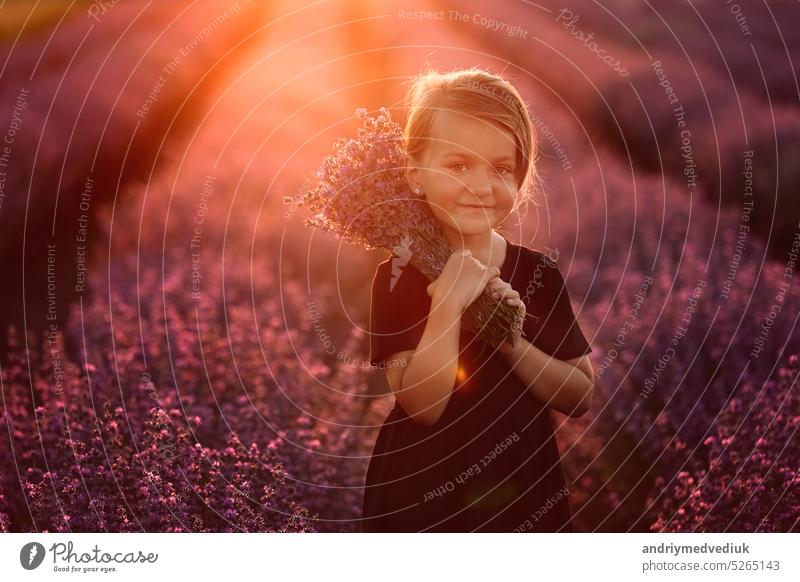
(490, 463)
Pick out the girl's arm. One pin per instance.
(566, 386)
(424, 385)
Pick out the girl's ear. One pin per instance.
(412, 173)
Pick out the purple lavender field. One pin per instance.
(180, 354)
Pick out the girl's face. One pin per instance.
(467, 173)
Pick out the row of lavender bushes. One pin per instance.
(229, 413)
(636, 453)
(182, 415)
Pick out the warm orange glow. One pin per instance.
(463, 383)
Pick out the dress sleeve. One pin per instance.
(398, 311)
(559, 333)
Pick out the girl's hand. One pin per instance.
(504, 292)
(461, 281)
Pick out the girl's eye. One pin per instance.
(503, 170)
(456, 166)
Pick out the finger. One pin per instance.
(503, 290)
(502, 293)
(496, 285)
(490, 275)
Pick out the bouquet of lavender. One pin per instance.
(361, 194)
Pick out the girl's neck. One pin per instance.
(488, 247)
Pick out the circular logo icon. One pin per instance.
(31, 555)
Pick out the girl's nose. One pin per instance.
(481, 185)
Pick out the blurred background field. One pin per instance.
(180, 355)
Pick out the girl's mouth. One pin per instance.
(476, 206)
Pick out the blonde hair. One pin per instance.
(478, 94)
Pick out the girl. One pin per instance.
(469, 444)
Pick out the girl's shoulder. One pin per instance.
(534, 263)
(546, 254)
